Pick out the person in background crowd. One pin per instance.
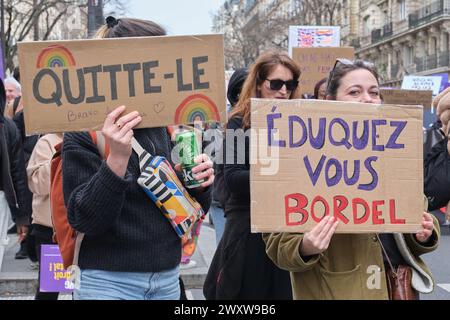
(13, 178)
(325, 265)
(16, 74)
(320, 89)
(38, 171)
(220, 191)
(15, 112)
(240, 268)
(129, 250)
(437, 160)
(13, 89)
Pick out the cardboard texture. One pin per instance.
(316, 64)
(318, 173)
(72, 85)
(314, 36)
(408, 97)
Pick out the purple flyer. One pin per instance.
(54, 278)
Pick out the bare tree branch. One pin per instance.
(28, 19)
(248, 33)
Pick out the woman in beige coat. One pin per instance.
(38, 172)
(325, 265)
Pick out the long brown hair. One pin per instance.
(258, 73)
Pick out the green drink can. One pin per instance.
(189, 149)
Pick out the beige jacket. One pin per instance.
(38, 172)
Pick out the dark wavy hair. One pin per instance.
(342, 68)
(129, 27)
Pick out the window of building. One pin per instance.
(385, 17)
(408, 55)
(402, 9)
(366, 27)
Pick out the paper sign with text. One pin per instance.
(361, 163)
(314, 36)
(432, 83)
(408, 97)
(316, 64)
(54, 278)
(72, 85)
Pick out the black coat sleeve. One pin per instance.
(437, 176)
(237, 164)
(19, 176)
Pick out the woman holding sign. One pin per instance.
(129, 250)
(325, 265)
(437, 160)
(240, 268)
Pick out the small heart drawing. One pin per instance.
(159, 107)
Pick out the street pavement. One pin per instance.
(18, 280)
(439, 263)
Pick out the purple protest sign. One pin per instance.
(444, 80)
(54, 278)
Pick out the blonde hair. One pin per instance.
(258, 73)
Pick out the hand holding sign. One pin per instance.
(427, 225)
(118, 133)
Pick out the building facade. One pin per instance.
(402, 37)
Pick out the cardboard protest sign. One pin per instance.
(361, 163)
(53, 276)
(316, 64)
(408, 97)
(314, 36)
(72, 85)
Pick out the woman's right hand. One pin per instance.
(318, 239)
(118, 132)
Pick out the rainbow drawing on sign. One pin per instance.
(55, 56)
(196, 107)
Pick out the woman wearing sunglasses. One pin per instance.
(240, 268)
(325, 265)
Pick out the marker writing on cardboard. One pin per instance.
(298, 210)
(326, 132)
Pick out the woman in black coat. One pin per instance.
(241, 268)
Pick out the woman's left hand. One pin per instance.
(203, 170)
(428, 226)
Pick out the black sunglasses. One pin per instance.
(277, 84)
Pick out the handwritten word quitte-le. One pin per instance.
(63, 88)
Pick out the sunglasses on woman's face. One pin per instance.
(277, 84)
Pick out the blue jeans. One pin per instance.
(108, 285)
(219, 220)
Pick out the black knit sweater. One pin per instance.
(124, 230)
